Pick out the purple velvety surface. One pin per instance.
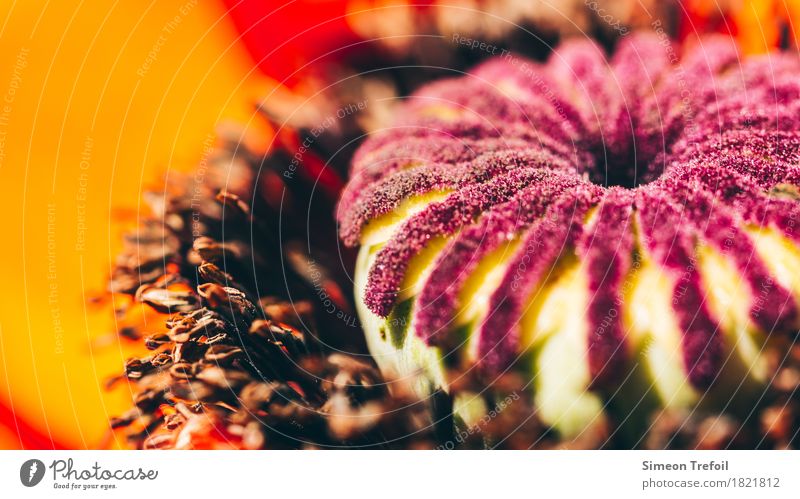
(688, 144)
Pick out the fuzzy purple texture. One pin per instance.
(699, 141)
(386, 194)
(773, 306)
(439, 219)
(549, 239)
(438, 300)
(662, 223)
(606, 248)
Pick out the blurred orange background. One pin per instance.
(99, 102)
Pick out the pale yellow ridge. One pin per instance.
(382, 228)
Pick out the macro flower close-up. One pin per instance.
(400, 225)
